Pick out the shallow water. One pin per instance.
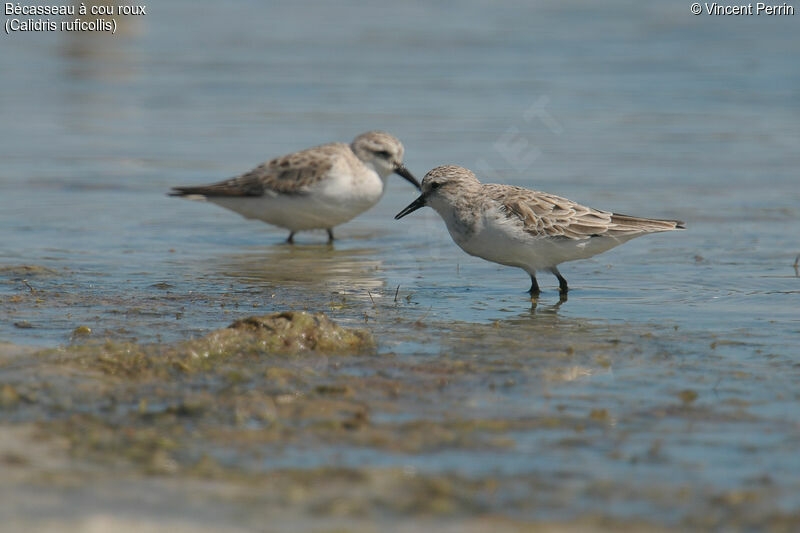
(641, 109)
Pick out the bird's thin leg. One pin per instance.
(330, 235)
(534, 290)
(562, 282)
(290, 240)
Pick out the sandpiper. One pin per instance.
(316, 188)
(526, 229)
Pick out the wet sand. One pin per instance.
(500, 430)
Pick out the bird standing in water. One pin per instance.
(316, 188)
(522, 228)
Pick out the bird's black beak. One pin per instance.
(413, 206)
(402, 171)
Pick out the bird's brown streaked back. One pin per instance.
(548, 215)
(289, 174)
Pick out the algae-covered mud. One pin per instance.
(497, 424)
(166, 365)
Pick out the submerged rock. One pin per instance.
(290, 332)
(281, 334)
(82, 331)
(26, 271)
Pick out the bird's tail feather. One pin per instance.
(629, 223)
(187, 191)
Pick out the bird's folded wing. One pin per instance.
(547, 215)
(290, 174)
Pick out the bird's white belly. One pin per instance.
(331, 202)
(507, 244)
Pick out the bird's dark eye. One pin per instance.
(383, 153)
(435, 185)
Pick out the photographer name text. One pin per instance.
(758, 8)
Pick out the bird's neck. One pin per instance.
(382, 172)
(461, 219)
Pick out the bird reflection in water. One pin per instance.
(308, 268)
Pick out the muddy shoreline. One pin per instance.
(294, 417)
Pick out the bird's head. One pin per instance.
(442, 188)
(384, 153)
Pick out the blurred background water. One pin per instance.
(640, 108)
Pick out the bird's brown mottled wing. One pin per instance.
(547, 215)
(290, 174)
